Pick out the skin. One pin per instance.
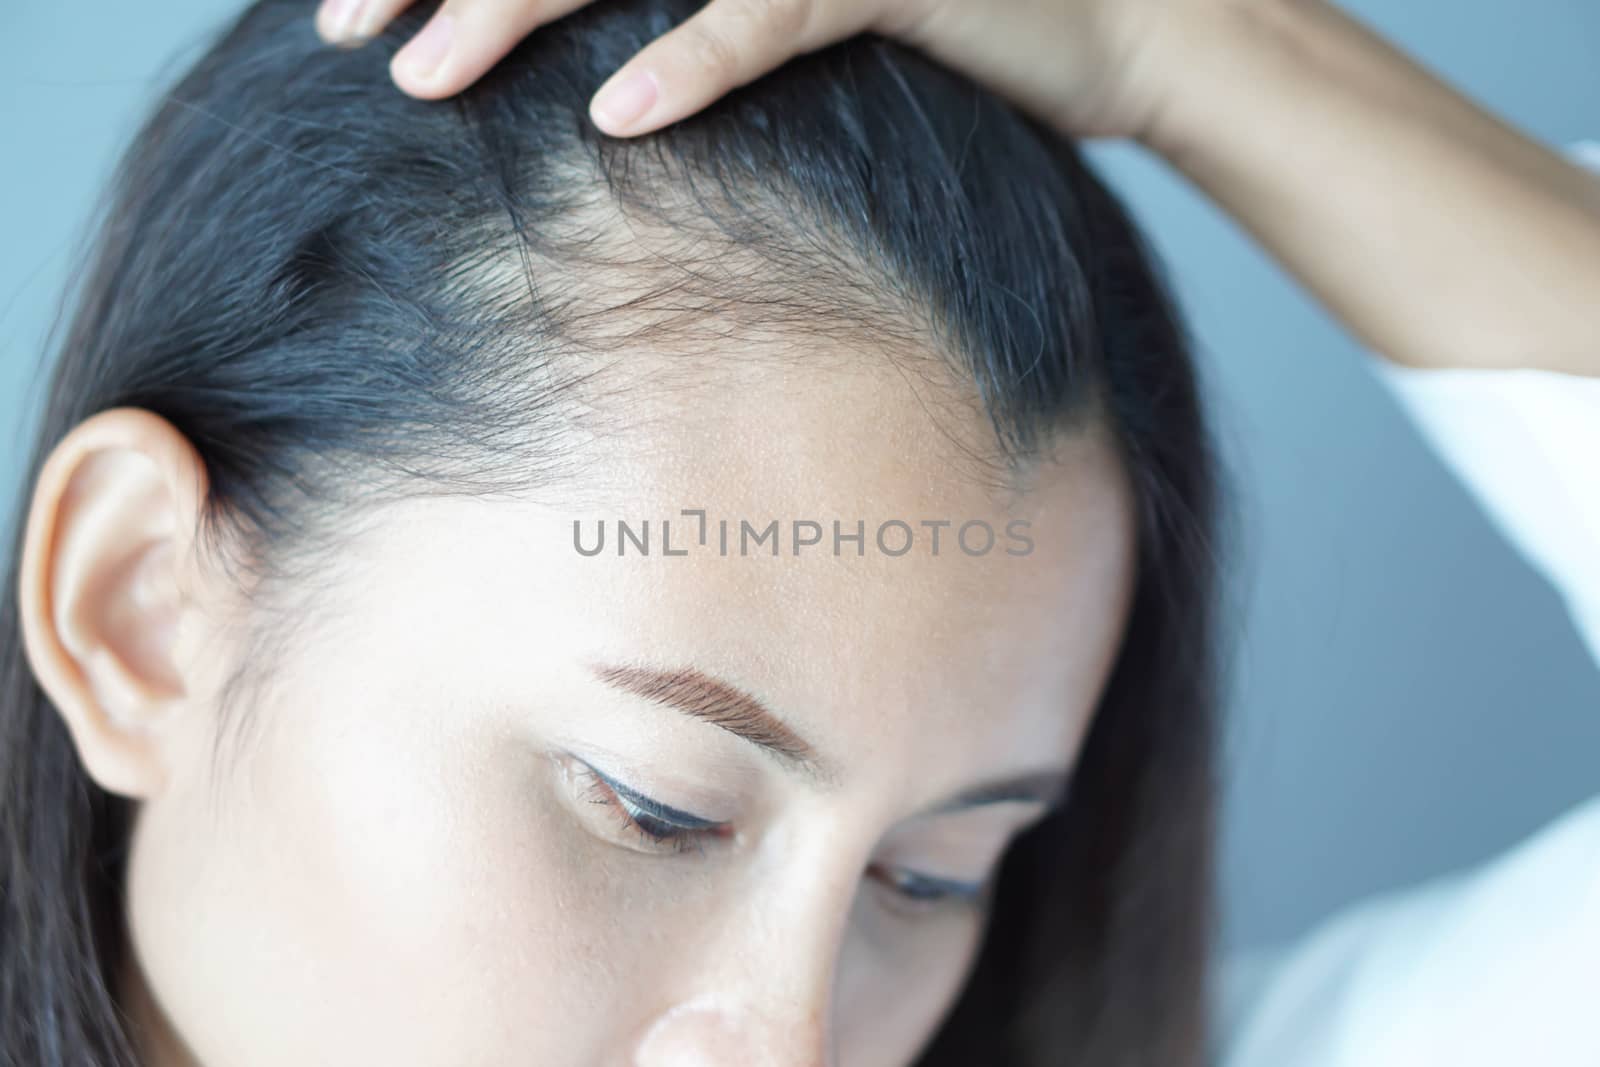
(401, 821)
(1378, 186)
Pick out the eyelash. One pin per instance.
(653, 823)
(658, 826)
(920, 891)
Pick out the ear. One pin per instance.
(105, 583)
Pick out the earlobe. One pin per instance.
(102, 589)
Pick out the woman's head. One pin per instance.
(495, 595)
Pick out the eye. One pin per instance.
(642, 823)
(920, 891)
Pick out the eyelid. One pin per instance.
(950, 892)
(631, 819)
(654, 808)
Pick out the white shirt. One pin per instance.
(1499, 966)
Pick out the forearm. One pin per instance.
(1440, 236)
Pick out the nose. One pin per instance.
(751, 982)
(712, 1033)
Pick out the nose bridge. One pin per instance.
(759, 991)
(742, 1031)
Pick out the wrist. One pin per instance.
(1191, 55)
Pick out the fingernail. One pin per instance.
(620, 104)
(423, 54)
(337, 18)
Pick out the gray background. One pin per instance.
(1409, 698)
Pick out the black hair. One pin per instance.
(306, 273)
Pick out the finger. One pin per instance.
(354, 22)
(727, 44)
(464, 39)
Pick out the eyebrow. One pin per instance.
(1048, 788)
(713, 701)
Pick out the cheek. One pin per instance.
(372, 882)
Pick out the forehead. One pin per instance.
(970, 619)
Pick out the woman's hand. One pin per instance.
(1087, 67)
(1439, 235)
